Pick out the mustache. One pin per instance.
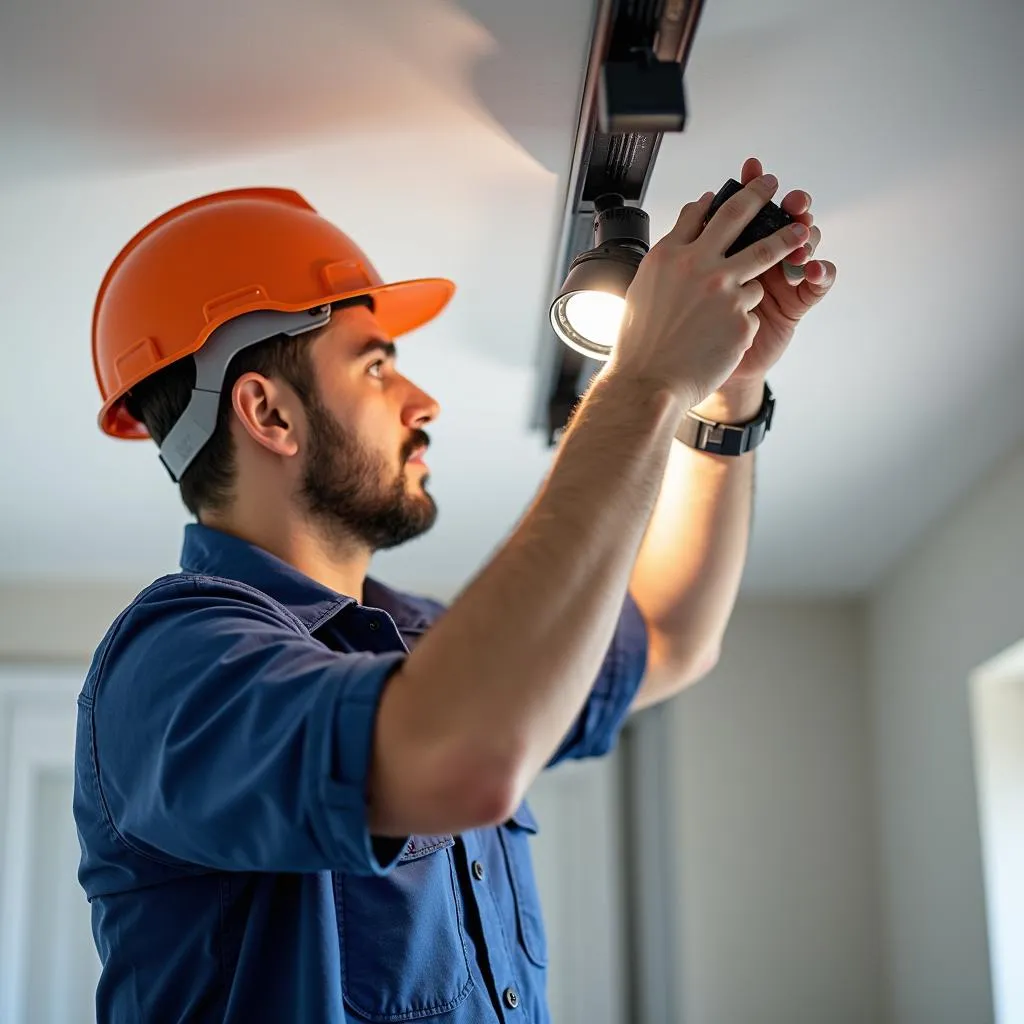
(419, 439)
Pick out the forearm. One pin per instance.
(688, 572)
(492, 689)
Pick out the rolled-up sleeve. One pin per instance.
(597, 727)
(226, 737)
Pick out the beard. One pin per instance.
(352, 492)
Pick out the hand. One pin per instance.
(689, 317)
(790, 290)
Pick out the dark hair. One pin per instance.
(159, 401)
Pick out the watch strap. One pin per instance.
(728, 438)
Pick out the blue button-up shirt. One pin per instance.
(224, 732)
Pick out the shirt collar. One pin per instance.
(209, 552)
(405, 610)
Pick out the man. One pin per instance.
(299, 793)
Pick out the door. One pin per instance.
(48, 964)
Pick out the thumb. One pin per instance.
(690, 222)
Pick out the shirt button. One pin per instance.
(511, 998)
(478, 871)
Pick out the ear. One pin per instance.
(270, 413)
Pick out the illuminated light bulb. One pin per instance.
(597, 316)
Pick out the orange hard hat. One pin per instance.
(216, 258)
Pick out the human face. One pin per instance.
(364, 478)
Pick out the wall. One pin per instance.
(951, 604)
(46, 622)
(774, 776)
(776, 896)
(769, 789)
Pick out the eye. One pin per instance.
(375, 369)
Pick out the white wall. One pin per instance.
(951, 604)
(50, 622)
(776, 905)
(777, 760)
(777, 896)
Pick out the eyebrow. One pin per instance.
(386, 348)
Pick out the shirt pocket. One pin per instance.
(403, 952)
(515, 840)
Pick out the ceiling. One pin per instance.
(438, 134)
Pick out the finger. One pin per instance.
(820, 273)
(751, 294)
(738, 211)
(798, 258)
(806, 219)
(818, 282)
(806, 251)
(763, 255)
(690, 221)
(751, 169)
(796, 203)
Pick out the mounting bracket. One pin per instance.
(632, 94)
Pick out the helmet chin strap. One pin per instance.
(197, 423)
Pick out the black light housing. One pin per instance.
(587, 312)
(631, 96)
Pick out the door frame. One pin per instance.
(651, 881)
(37, 735)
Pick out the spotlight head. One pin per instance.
(587, 312)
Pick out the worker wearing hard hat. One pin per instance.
(299, 793)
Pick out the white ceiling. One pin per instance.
(438, 134)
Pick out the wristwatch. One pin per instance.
(728, 438)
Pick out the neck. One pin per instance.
(336, 562)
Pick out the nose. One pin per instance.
(420, 408)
